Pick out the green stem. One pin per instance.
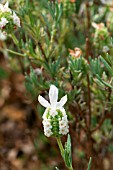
(71, 168)
(62, 150)
(89, 164)
(16, 53)
(60, 145)
(14, 39)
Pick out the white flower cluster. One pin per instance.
(47, 127)
(55, 120)
(3, 22)
(63, 126)
(8, 17)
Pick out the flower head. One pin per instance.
(8, 19)
(54, 117)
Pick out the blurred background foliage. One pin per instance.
(67, 43)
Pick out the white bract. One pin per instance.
(5, 8)
(16, 19)
(53, 96)
(55, 120)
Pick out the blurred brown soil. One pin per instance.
(21, 128)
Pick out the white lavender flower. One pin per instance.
(55, 120)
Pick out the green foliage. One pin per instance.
(47, 43)
(110, 148)
(3, 74)
(34, 83)
(67, 153)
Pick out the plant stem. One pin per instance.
(70, 168)
(16, 53)
(14, 39)
(60, 145)
(89, 101)
(89, 164)
(62, 150)
(42, 51)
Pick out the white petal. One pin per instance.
(1, 7)
(63, 112)
(62, 102)
(6, 8)
(53, 95)
(6, 4)
(16, 19)
(43, 102)
(45, 114)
